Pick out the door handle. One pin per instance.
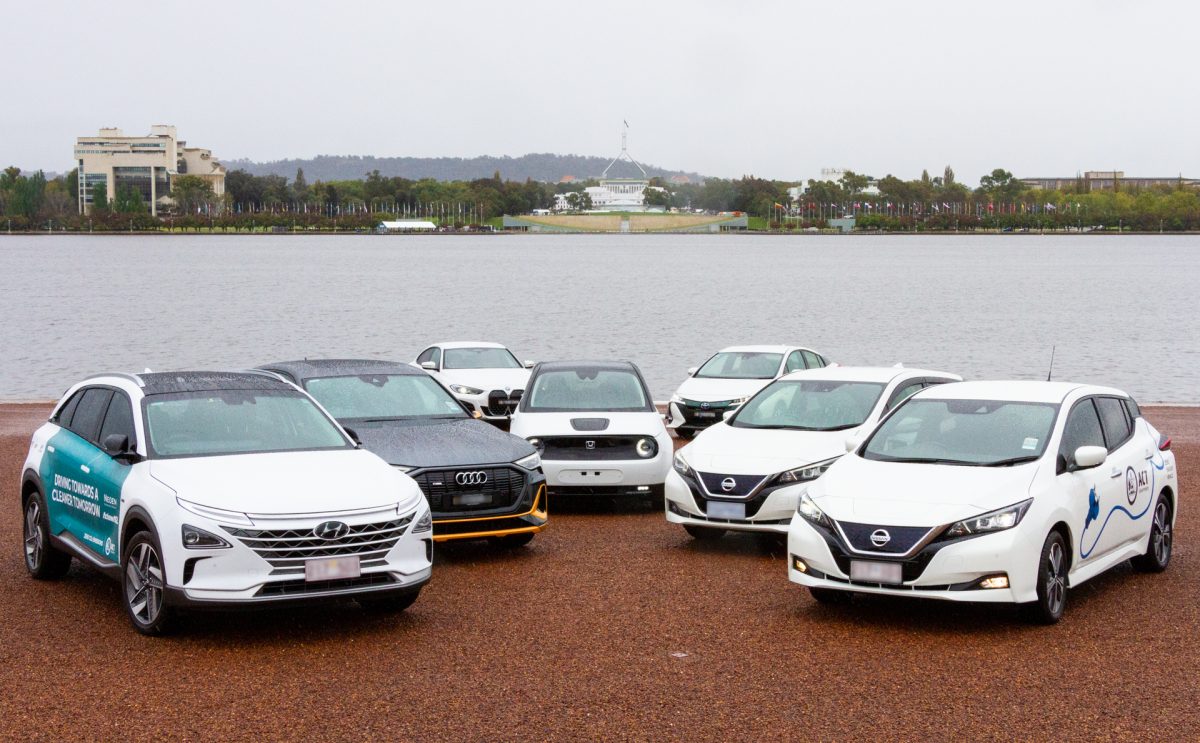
(1116, 474)
(85, 468)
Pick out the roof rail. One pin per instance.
(123, 375)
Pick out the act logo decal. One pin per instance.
(1093, 508)
(109, 547)
(1131, 487)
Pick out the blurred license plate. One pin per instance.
(720, 510)
(875, 572)
(472, 499)
(332, 568)
(706, 414)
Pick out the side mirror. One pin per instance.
(430, 365)
(728, 414)
(853, 442)
(115, 445)
(530, 364)
(692, 371)
(353, 435)
(1087, 457)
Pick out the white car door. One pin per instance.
(1091, 494)
(1128, 464)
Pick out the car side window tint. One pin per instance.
(89, 414)
(1114, 420)
(119, 420)
(794, 362)
(1134, 411)
(64, 415)
(814, 361)
(426, 355)
(1082, 429)
(905, 391)
(436, 358)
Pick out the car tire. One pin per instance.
(687, 434)
(143, 585)
(704, 533)
(1158, 551)
(1053, 564)
(513, 541)
(42, 559)
(393, 604)
(830, 596)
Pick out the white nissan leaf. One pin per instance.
(218, 490)
(1009, 492)
(737, 474)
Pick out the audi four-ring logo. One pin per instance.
(880, 537)
(471, 478)
(728, 484)
(331, 530)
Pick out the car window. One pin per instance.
(436, 357)
(1114, 421)
(118, 420)
(1134, 411)
(480, 358)
(795, 362)
(585, 389)
(89, 414)
(64, 415)
(741, 365)
(810, 405)
(814, 361)
(384, 397)
(905, 391)
(1082, 429)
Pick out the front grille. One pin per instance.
(911, 568)
(503, 486)
(903, 538)
(743, 485)
(753, 503)
(287, 549)
(590, 448)
(703, 413)
(503, 403)
(302, 587)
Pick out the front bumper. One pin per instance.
(768, 510)
(603, 475)
(448, 527)
(489, 404)
(944, 569)
(690, 416)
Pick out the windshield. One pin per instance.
(192, 424)
(479, 358)
(384, 397)
(810, 405)
(741, 365)
(964, 432)
(571, 390)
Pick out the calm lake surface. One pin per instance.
(1122, 310)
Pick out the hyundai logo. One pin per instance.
(331, 530)
(728, 484)
(880, 537)
(478, 477)
(589, 444)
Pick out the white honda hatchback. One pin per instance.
(736, 474)
(990, 491)
(218, 490)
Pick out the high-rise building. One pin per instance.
(146, 164)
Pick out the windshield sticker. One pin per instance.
(1030, 444)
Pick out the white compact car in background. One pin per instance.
(596, 428)
(737, 474)
(486, 376)
(218, 490)
(991, 491)
(730, 378)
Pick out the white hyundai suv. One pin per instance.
(218, 490)
(485, 376)
(990, 491)
(736, 474)
(728, 379)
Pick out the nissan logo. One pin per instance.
(880, 537)
(728, 484)
(478, 477)
(331, 530)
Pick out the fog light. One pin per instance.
(643, 488)
(994, 581)
(799, 564)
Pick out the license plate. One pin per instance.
(705, 414)
(332, 568)
(876, 572)
(722, 510)
(472, 499)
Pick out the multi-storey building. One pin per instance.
(1106, 180)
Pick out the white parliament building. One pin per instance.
(616, 194)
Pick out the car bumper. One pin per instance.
(773, 514)
(619, 474)
(952, 572)
(449, 527)
(480, 403)
(682, 417)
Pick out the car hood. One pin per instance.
(716, 390)
(748, 451)
(559, 424)
(909, 494)
(440, 443)
(487, 379)
(288, 482)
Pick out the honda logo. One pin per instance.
(728, 484)
(880, 537)
(330, 530)
(589, 444)
(477, 477)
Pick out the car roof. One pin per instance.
(883, 374)
(467, 344)
(760, 349)
(159, 383)
(1015, 390)
(309, 368)
(572, 365)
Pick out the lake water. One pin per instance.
(1122, 310)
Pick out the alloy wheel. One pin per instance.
(144, 583)
(1056, 581)
(35, 539)
(1161, 535)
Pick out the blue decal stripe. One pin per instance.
(1149, 501)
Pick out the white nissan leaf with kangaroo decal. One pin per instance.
(218, 490)
(1009, 492)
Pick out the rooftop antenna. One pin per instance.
(624, 153)
(1051, 372)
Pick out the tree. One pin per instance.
(190, 193)
(299, 185)
(948, 176)
(854, 183)
(129, 201)
(654, 196)
(1000, 184)
(99, 198)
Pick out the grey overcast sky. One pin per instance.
(775, 89)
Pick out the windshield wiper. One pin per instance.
(1010, 461)
(926, 460)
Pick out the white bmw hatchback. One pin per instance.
(218, 490)
(736, 474)
(990, 491)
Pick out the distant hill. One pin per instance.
(538, 166)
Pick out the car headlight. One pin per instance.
(402, 468)
(462, 389)
(425, 523)
(216, 514)
(681, 465)
(646, 447)
(806, 473)
(738, 401)
(195, 538)
(538, 444)
(809, 510)
(998, 520)
(677, 398)
(531, 462)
